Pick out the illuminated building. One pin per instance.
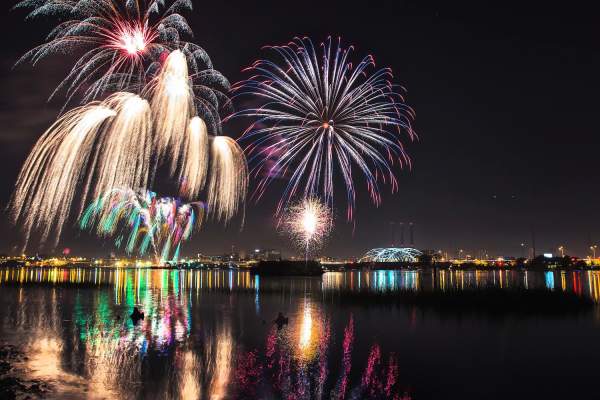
(392, 254)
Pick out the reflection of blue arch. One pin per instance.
(392, 254)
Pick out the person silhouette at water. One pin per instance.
(136, 315)
(280, 321)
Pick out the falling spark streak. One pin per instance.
(125, 148)
(229, 178)
(172, 98)
(193, 171)
(309, 223)
(143, 220)
(322, 114)
(46, 185)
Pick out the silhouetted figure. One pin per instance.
(280, 321)
(136, 315)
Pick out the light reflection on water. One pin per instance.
(129, 284)
(74, 325)
(583, 283)
(199, 339)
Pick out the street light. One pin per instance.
(562, 250)
(593, 249)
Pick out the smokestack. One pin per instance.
(402, 233)
(533, 241)
(392, 233)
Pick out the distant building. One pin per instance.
(266, 255)
(433, 255)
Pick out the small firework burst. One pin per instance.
(309, 223)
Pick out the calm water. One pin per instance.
(209, 334)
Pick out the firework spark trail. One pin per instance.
(229, 178)
(143, 220)
(134, 46)
(193, 173)
(125, 148)
(172, 100)
(309, 223)
(320, 114)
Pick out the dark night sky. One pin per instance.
(506, 102)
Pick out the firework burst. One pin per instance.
(143, 222)
(123, 43)
(321, 114)
(117, 37)
(308, 223)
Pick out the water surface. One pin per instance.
(210, 334)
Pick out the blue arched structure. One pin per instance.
(392, 254)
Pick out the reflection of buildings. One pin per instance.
(584, 283)
(132, 286)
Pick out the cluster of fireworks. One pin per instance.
(122, 43)
(164, 109)
(144, 221)
(320, 113)
(151, 98)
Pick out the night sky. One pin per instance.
(506, 98)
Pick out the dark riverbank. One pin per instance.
(12, 385)
(287, 268)
(491, 302)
